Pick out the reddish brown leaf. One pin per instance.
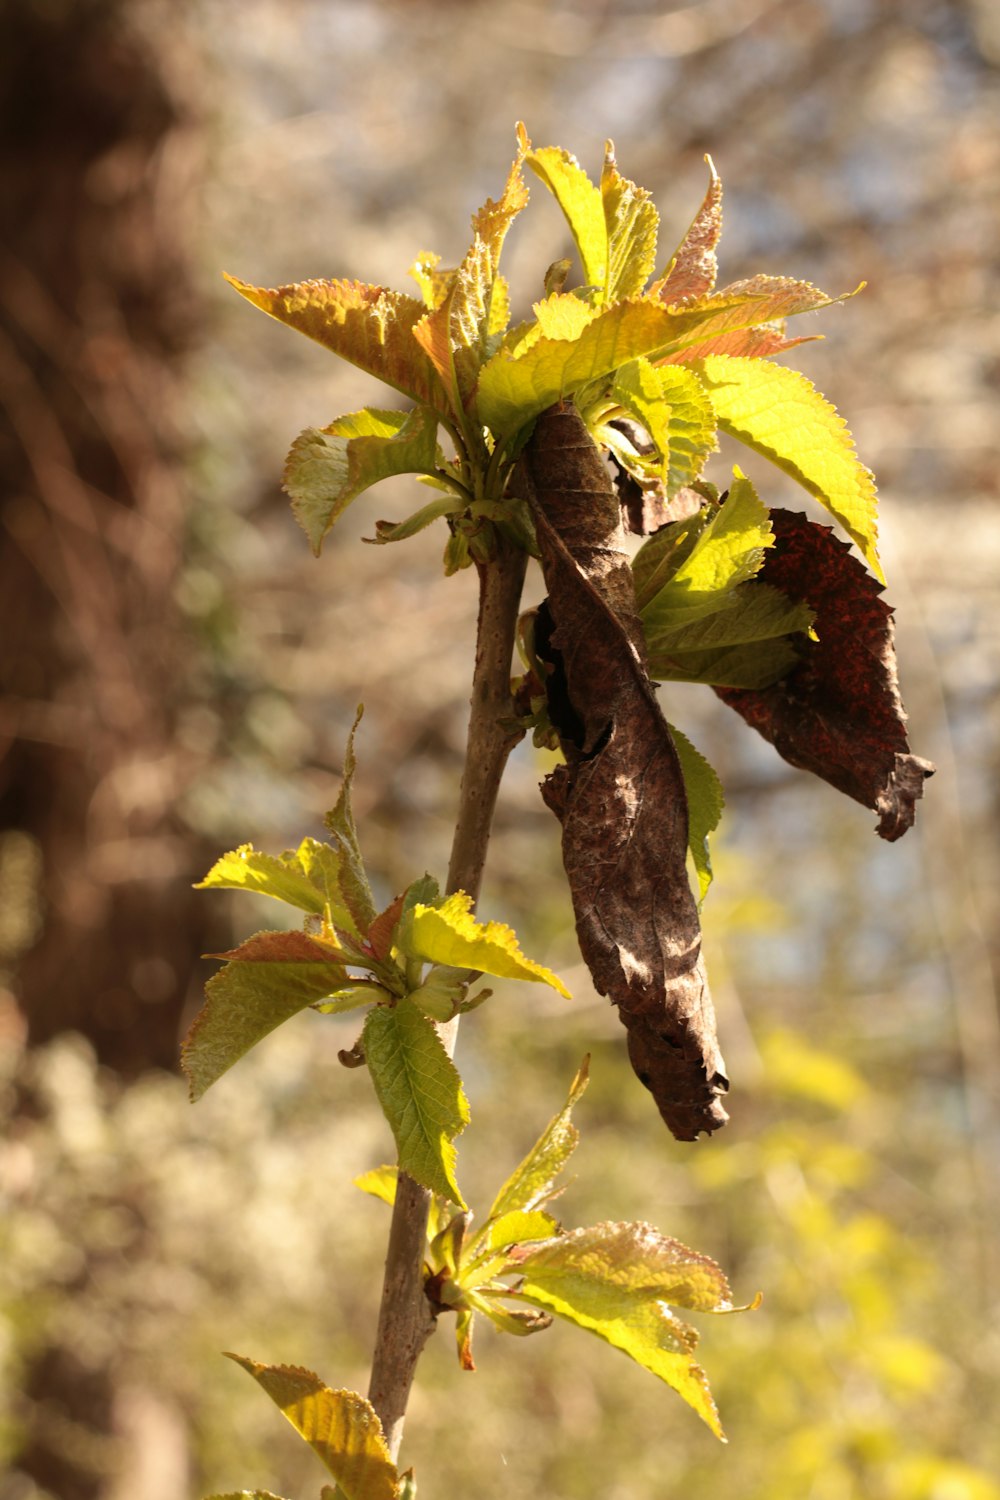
(838, 713)
(381, 930)
(620, 795)
(694, 267)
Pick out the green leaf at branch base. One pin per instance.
(341, 1427)
(420, 1092)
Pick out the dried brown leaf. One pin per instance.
(620, 795)
(838, 713)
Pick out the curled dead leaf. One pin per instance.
(620, 795)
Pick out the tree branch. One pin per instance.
(405, 1318)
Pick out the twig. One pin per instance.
(405, 1318)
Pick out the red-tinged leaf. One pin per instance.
(693, 270)
(267, 980)
(748, 343)
(838, 713)
(370, 326)
(381, 931)
(620, 795)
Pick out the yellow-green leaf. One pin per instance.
(341, 1427)
(465, 323)
(675, 409)
(420, 1092)
(381, 1182)
(582, 204)
(268, 979)
(705, 801)
(307, 877)
(631, 223)
(780, 414)
(615, 1280)
(329, 467)
(246, 1495)
(370, 326)
(728, 550)
(449, 934)
(532, 1181)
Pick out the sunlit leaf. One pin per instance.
(307, 877)
(780, 414)
(693, 269)
(728, 549)
(582, 205)
(519, 382)
(532, 1181)
(434, 283)
(674, 408)
(420, 1092)
(329, 467)
(341, 1427)
(462, 328)
(370, 326)
(705, 800)
(631, 223)
(246, 1495)
(268, 979)
(616, 1280)
(449, 934)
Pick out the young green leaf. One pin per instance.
(354, 888)
(631, 222)
(582, 205)
(780, 414)
(370, 326)
(615, 1280)
(463, 327)
(705, 800)
(750, 641)
(449, 934)
(673, 406)
(399, 531)
(329, 467)
(517, 384)
(307, 877)
(420, 1092)
(268, 979)
(246, 1495)
(341, 1427)
(728, 549)
(532, 1181)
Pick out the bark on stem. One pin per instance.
(405, 1320)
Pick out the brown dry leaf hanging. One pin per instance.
(620, 795)
(838, 713)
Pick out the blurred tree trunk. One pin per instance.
(97, 149)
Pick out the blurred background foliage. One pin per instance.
(180, 675)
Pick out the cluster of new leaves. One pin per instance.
(410, 964)
(617, 1280)
(519, 1271)
(771, 611)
